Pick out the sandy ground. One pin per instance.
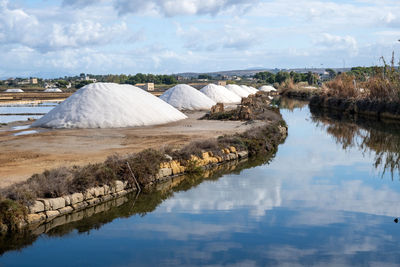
(21, 156)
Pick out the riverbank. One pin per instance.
(64, 190)
(363, 107)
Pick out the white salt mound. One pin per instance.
(109, 105)
(183, 96)
(53, 90)
(220, 94)
(252, 91)
(15, 90)
(237, 90)
(267, 88)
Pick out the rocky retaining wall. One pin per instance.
(59, 210)
(365, 107)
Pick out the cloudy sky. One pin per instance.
(65, 37)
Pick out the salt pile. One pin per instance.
(15, 90)
(252, 91)
(53, 90)
(220, 94)
(267, 88)
(183, 96)
(109, 105)
(237, 90)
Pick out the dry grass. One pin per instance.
(343, 85)
(382, 85)
(61, 181)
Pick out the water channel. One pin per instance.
(328, 197)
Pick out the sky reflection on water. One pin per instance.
(314, 204)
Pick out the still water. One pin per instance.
(328, 197)
(21, 112)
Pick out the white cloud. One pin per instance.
(334, 42)
(172, 8)
(23, 29)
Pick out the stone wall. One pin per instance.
(46, 210)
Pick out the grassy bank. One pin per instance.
(376, 93)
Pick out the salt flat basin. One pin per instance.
(21, 112)
(316, 203)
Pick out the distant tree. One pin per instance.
(82, 83)
(82, 75)
(312, 78)
(62, 83)
(265, 76)
(282, 76)
(205, 76)
(332, 73)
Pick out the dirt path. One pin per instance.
(21, 156)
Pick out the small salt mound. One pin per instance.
(109, 105)
(253, 88)
(248, 89)
(183, 96)
(53, 90)
(15, 90)
(267, 88)
(237, 90)
(220, 94)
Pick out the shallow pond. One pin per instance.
(21, 112)
(327, 198)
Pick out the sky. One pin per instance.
(56, 38)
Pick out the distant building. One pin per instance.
(49, 85)
(24, 82)
(222, 83)
(87, 78)
(146, 86)
(28, 81)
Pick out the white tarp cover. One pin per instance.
(14, 90)
(53, 90)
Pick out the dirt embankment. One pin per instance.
(21, 156)
(365, 107)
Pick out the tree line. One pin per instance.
(284, 76)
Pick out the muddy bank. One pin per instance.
(23, 155)
(362, 107)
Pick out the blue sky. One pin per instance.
(66, 37)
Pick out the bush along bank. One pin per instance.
(302, 94)
(378, 109)
(53, 193)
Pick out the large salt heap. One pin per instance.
(267, 88)
(251, 90)
(220, 94)
(237, 90)
(183, 96)
(109, 105)
(14, 90)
